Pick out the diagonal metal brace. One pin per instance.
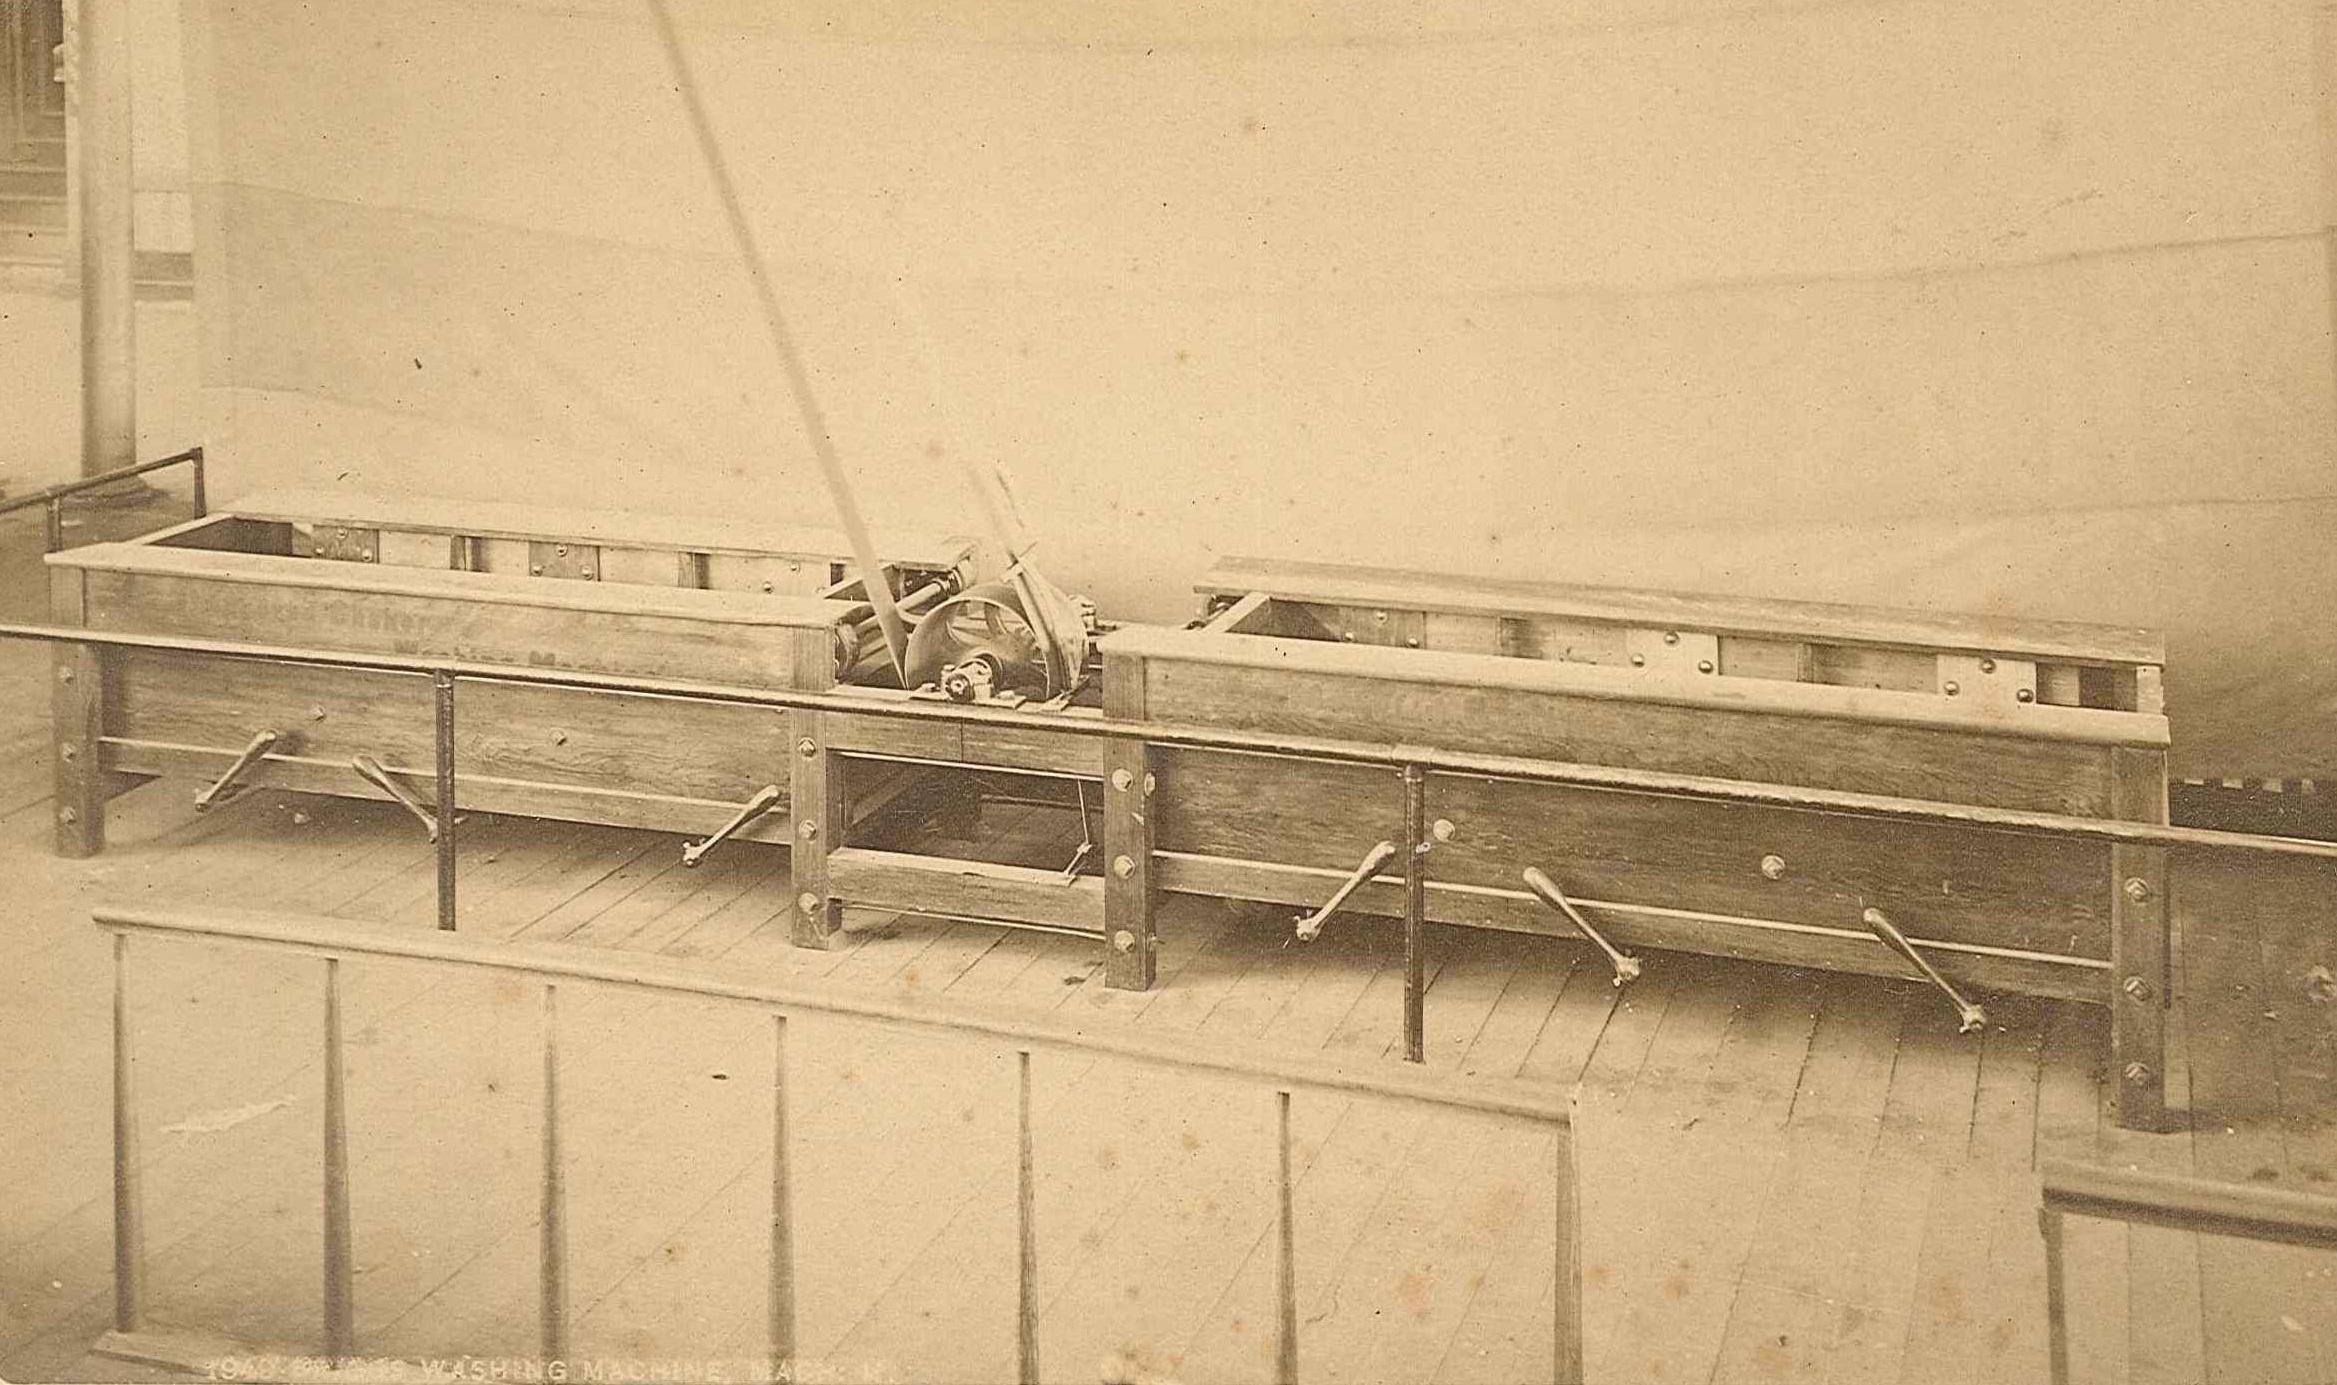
(227, 786)
(370, 770)
(1626, 966)
(766, 799)
(1972, 1016)
(1373, 862)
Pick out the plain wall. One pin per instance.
(2019, 307)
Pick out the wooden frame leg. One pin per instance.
(2141, 975)
(78, 702)
(1131, 948)
(816, 802)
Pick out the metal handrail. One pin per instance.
(55, 496)
(334, 940)
(2204, 1206)
(1273, 745)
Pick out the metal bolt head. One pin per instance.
(2137, 1072)
(2137, 888)
(560, 550)
(1124, 941)
(64, 675)
(1988, 666)
(1639, 661)
(1950, 688)
(807, 902)
(316, 714)
(69, 753)
(1704, 666)
(1123, 866)
(1379, 617)
(1122, 780)
(808, 830)
(1773, 867)
(68, 816)
(2137, 988)
(2023, 695)
(807, 747)
(1411, 642)
(535, 570)
(1671, 637)
(1442, 829)
(1150, 783)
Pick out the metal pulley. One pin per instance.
(982, 645)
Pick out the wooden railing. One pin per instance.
(332, 941)
(2205, 1206)
(53, 498)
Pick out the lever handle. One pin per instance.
(1970, 1016)
(224, 787)
(1626, 966)
(766, 798)
(370, 770)
(1373, 862)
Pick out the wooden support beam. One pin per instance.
(1131, 955)
(946, 887)
(129, 1212)
(1566, 1293)
(1027, 1230)
(77, 704)
(339, 1261)
(552, 1215)
(782, 1281)
(816, 798)
(2140, 945)
(1286, 1253)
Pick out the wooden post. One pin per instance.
(1566, 1289)
(553, 1214)
(77, 710)
(1286, 1256)
(2140, 974)
(129, 1216)
(53, 525)
(816, 798)
(340, 1316)
(2056, 1302)
(105, 195)
(442, 683)
(1415, 912)
(199, 481)
(782, 1306)
(1026, 1220)
(1131, 956)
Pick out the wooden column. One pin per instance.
(1285, 1253)
(105, 190)
(1566, 1291)
(2140, 965)
(339, 1267)
(1415, 913)
(2056, 1300)
(552, 1262)
(1026, 1230)
(1131, 948)
(816, 798)
(782, 1282)
(77, 705)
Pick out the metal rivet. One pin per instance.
(1123, 780)
(1639, 661)
(767, 587)
(2138, 1072)
(2137, 888)
(2137, 988)
(70, 753)
(340, 533)
(1988, 666)
(559, 550)
(1124, 940)
(588, 574)
(795, 567)
(1442, 829)
(535, 570)
(365, 555)
(808, 830)
(64, 675)
(1671, 637)
(1950, 688)
(1773, 867)
(68, 816)
(1704, 666)
(1150, 783)
(559, 738)
(808, 902)
(2024, 695)
(807, 747)
(316, 714)
(1123, 866)
(1411, 642)
(1347, 635)
(1379, 617)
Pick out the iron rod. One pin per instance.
(1415, 912)
(2206, 1206)
(782, 1286)
(1273, 746)
(552, 1272)
(53, 525)
(1286, 1254)
(1027, 1231)
(339, 1298)
(1566, 1255)
(2056, 1298)
(443, 683)
(89, 483)
(129, 1214)
(199, 480)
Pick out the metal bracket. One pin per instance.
(370, 770)
(1971, 1016)
(766, 798)
(226, 786)
(1626, 966)
(1374, 861)
(344, 543)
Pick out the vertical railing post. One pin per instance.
(338, 1298)
(782, 1214)
(54, 530)
(1026, 1207)
(553, 1214)
(129, 1217)
(443, 683)
(2056, 1305)
(1566, 1290)
(1286, 1256)
(202, 490)
(1415, 910)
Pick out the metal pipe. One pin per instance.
(1416, 913)
(1270, 746)
(339, 1264)
(63, 489)
(108, 250)
(1027, 1230)
(442, 684)
(129, 1213)
(53, 525)
(2208, 1206)
(202, 496)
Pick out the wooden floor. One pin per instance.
(1786, 1176)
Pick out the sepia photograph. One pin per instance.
(1180, 692)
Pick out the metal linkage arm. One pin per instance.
(1972, 1016)
(1373, 862)
(766, 798)
(1546, 889)
(370, 770)
(226, 786)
